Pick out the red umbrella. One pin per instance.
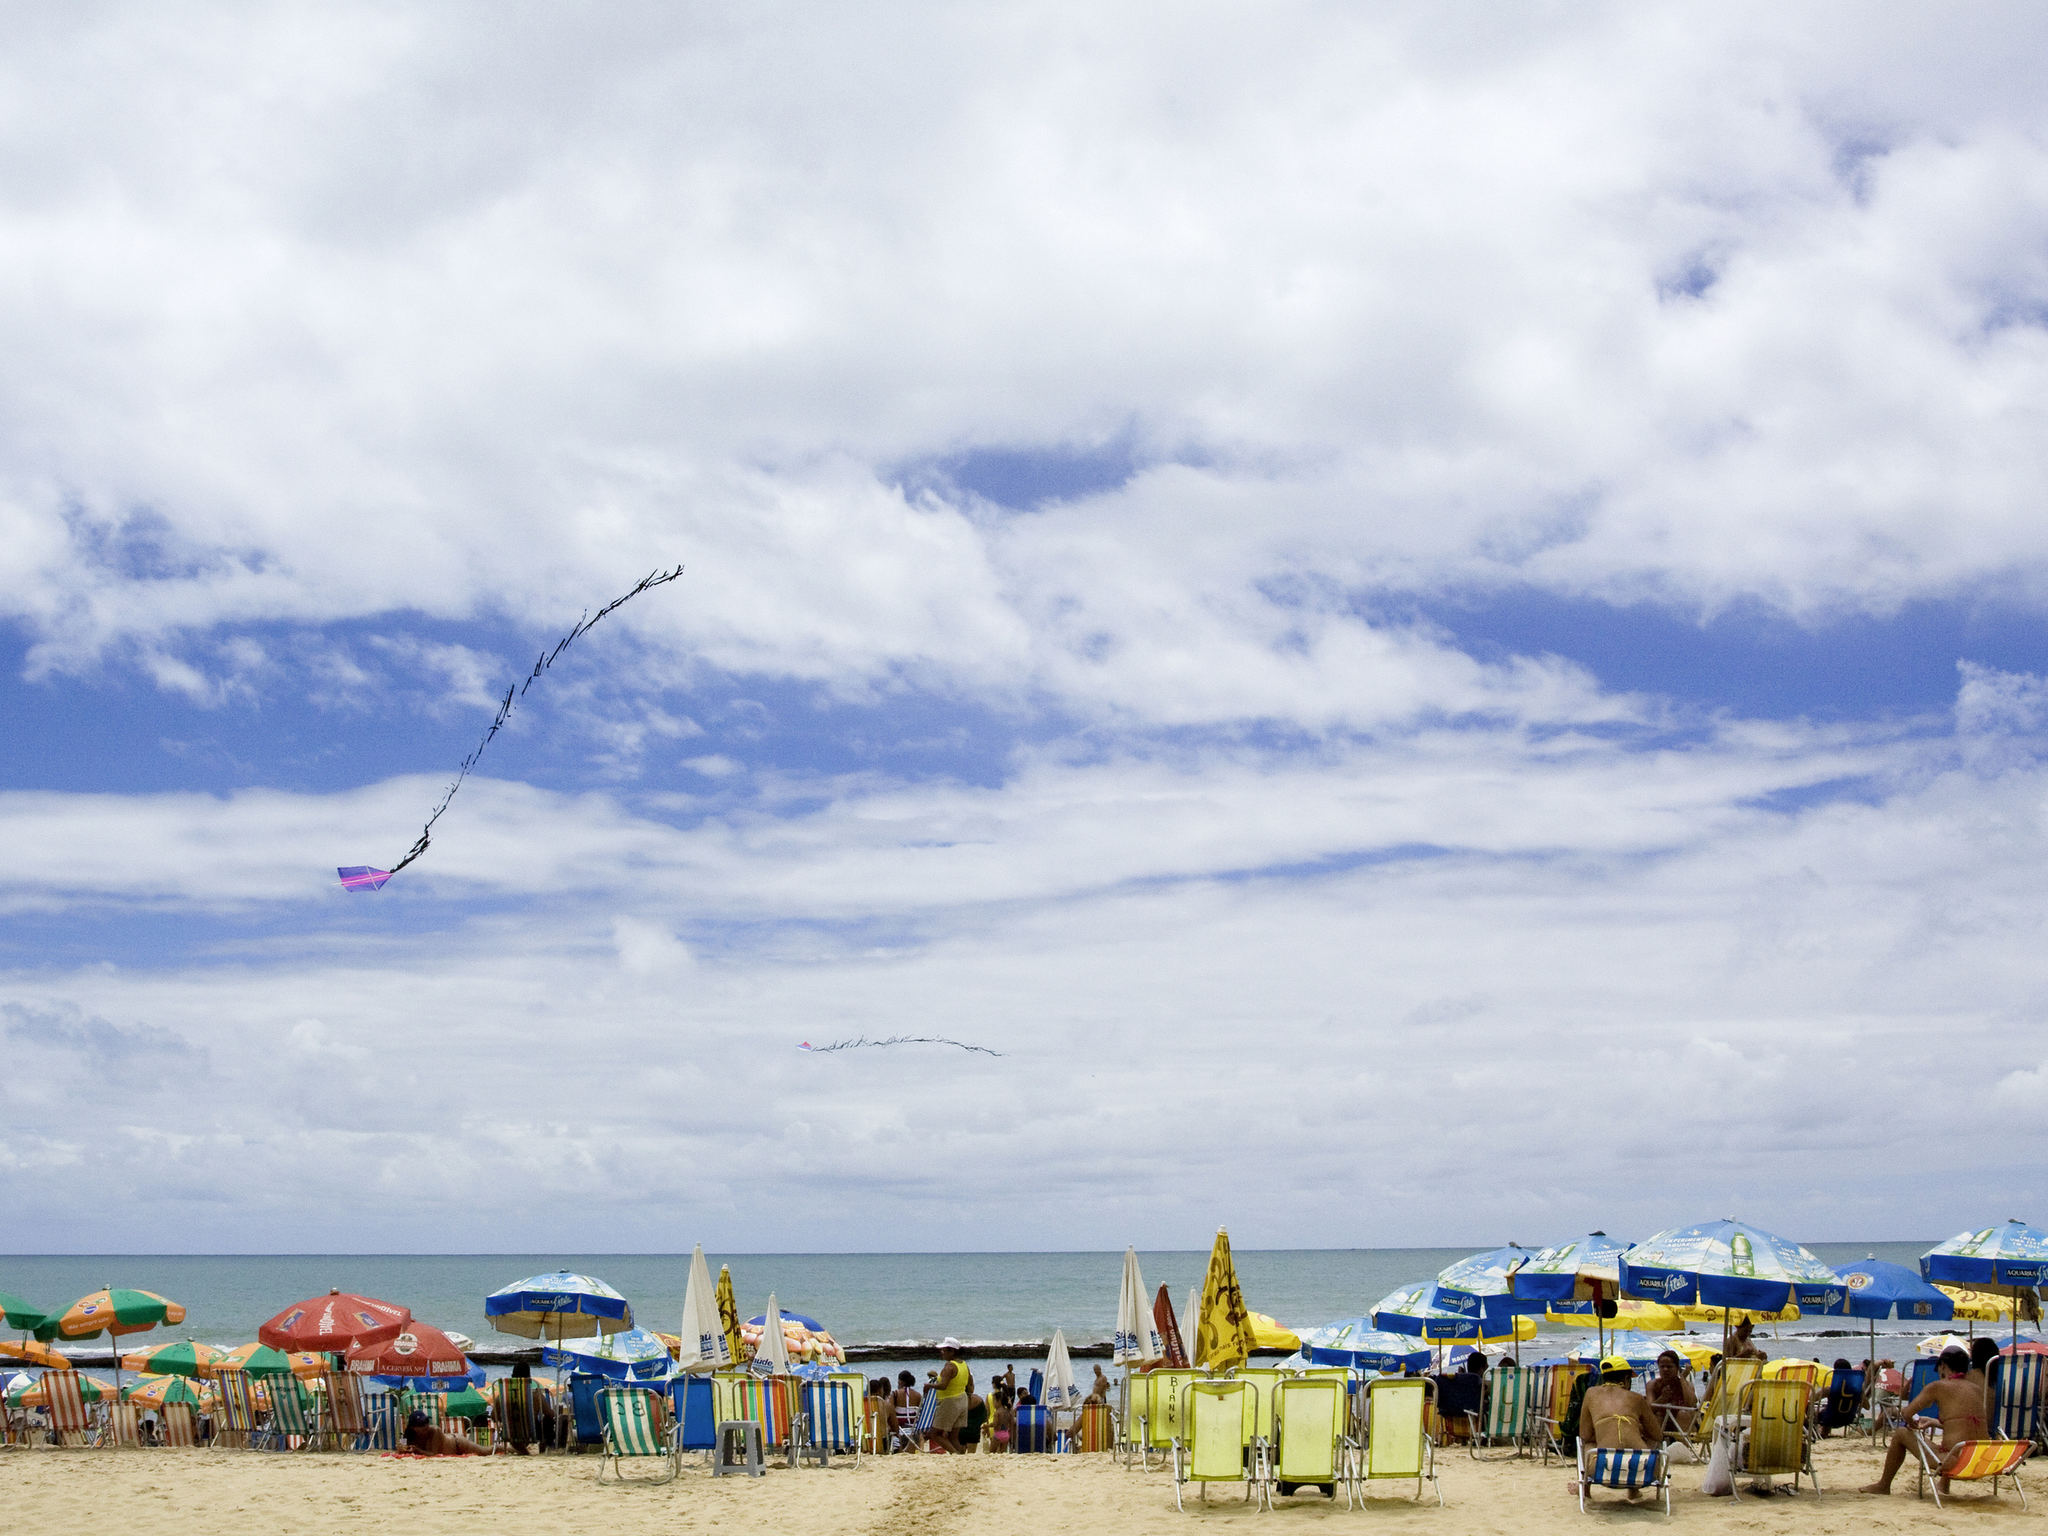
(333, 1324)
(417, 1351)
(1169, 1331)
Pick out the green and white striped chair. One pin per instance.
(631, 1432)
(1506, 1416)
(293, 1422)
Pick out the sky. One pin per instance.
(1429, 616)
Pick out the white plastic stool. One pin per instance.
(739, 1449)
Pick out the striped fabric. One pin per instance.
(1032, 1432)
(67, 1403)
(1096, 1431)
(288, 1409)
(1626, 1469)
(927, 1409)
(384, 1423)
(237, 1409)
(122, 1425)
(833, 1415)
(1507, 1403)
(633, 1429)
(179, 1425)
(2015, 1387)
(1985, 1458)
(344, 1399)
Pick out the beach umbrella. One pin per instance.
(334, 1324)
(1061, 1389)
(1407, 1310)
(788, 1317)
(1726, 1264)
(418, 1353)
(1586, 1269)
(259, 1359)
(1935, 1343)
(774, 1347)
(34, 1352)
(20, 1314)
(729, 1318)
(635, 1354)
(1137, 1339)
(183, 1357)
(473, 1377)
(565, 1305)
(1356, 1343)
(1482, 1286)
(1630, 1316)
(155, 1391)
(1875, 1289)
(1975, 1306)
(1175, 1354)
(1223, 1327)
(467, 1403)
(1271, 1333)
(703, 1346)
(111, 1311)
(2011, 1260)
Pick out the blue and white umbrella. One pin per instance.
(788, 1317)
(2008, 1259)
(1356, 1343)
(560, 1306)
(1585, 1269)
(632, 1355)
(1875, 1289)
(1410, 1311)
(1725, 1263)
(1483, 1287)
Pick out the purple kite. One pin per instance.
(361, 877)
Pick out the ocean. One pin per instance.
(863, 1298)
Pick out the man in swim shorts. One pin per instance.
(1958, 1401)
(954, 1386)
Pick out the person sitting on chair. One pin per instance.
(1960, 1403)
(1670, 1393)
(1099, 1393)
(1617, 1417)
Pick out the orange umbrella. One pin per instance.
(32, 1353)
(260, 1359)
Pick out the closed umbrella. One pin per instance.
(1223, 1326)
(1175, 1353)
(1137, 1338)
(774, 1348)
(1061, 1390)
(703, 1344)
(729, 1317)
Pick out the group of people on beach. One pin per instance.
(962, 1417)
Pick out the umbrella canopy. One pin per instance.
(1175, 1353)
(182, 1357)
(90, 1389)
(259, 1359)
(1061, 1390)
(16, 1313)
(729, 1317)
(1874, 1289)
(155, 1391)
(113, 1311)
(1355, 1342)
(1271, 1333)
(774, 1348)
(417, 1352)
(1976, 1306)
(561, 1305)
(1137, 1340)
(704, 1346)
(636, 1354)
(788, 1317)
(1408, 1311)
(473, 1377)
(1482, 1287)
(1585, 1269)
(1934, 1344)
(1629, 1315)
(1223, 1327)
(334, 1324)
(2010, 1258)
(34, 1352)
(1725, 1263)
(467, 1403)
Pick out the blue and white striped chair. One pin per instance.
(927, 1410)
(2015, 1394)
(833, 1416)
(1624, 1471)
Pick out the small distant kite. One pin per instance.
(361, 877)
(864, 1043)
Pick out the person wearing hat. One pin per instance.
(953, 1387)
(1617, 1417)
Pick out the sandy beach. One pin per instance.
(143, 1492)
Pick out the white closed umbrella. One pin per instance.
(1137, 1339)
(704, 1345)
(1061, 1390)
(774, 1347)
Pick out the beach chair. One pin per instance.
(1843, 1404)
(383, 1422)
(831, 1421)
(1033, 1434)
(515, 1407)
(1095, 1430)
(1972, 1461)
(1137, 1409)
(877, 1426)
(1310, 1446)
(2013, 1395)
(1460, 1398)
(121, 1428)
(1259, 1403)
(1162, 1423)
(1773, 1438)
(632, 1429)
(1536, 1387)
(180, 1426)
(583, 1391)
(1503, 1417)
(1724, 1394)
(236, 1422)
(1395, 1445)
(1215, 1445)
(927, 1415)
(856, 1386)
(293, 1422)
(342, 1416)
(69, 1422)
(1557, 1422)
(1624, 1470)
(696, 1414)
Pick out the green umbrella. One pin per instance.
(155, 1391)
(256, 1360)
(467, 1404)
(19, 1314)
(183, 1358)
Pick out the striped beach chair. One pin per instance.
(1096, 1430)
(122, 1426)
(1033, 1434)
(927, 1414)
(180, 1425)
(633, 1431)
(237, 1415)
(384, 1422)
(2013, 1390)
(1504, 1418)
(1623, 1470)
(342, 1423)
(831, 1421)
(514, 1405)
(1973, 1461)
(1396, 1446)
(293, 1421)
(877, 1426)
(68, 1418)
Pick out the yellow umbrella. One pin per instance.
(729, 1318)
(1991, 1307)
(1223, 1324)
(1774, 1369)
(34, 1352)
(1642, 1316)
(1935, 1344)
(1692, 1351)
(1733, 1315)
(1269, 1334)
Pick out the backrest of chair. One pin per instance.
(66, 1401)
(1258, 1403)
(1213, 1417)
(1033, 1434)
(2014, 1388)
(583, 1408)
(288, 1414)
(729, 1395)
(382, 1424)
(778, 1399)
(345, 1402)
(1536, 1389)
(1794, 1370)
(237, 1409)
(1920, 1375)
(122, 1424)
(1308, 1416)
(1506, 1402)
(1615, 1468)
(512, 1404)
(832, 1411)
(625, 1413)
(1167, 1387)
(1734, 1377)
(1776, 1411)
(1395, 1447)
(856, 1386)
(180, 1425)
(1459, 1394)
(1138, 1395)
(1564, 1380)
(695, 1412)
(1096, 1430)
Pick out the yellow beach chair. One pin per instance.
(1395, 1445)
(1773, 1438)
(1137, 1407)
(1258, 1405)
(1215, 1443)
(1311, 1449)
(1971, 1462)
(1162, 1424)
(1547, 1420)
(1724, 1396)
